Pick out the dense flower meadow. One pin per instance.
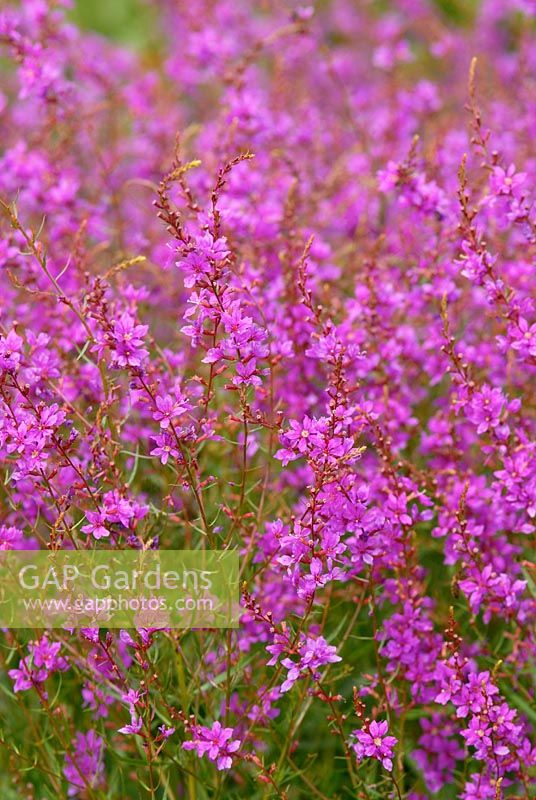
(267, 284)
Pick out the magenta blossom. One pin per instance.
(85, 767)
(372, 742)
(215, 742)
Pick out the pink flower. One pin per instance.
(10, 352)
(166, 447)
(134, 727)
(372, 742)
(215, 742)
(95, 526)
(507, 182)
(85, 766)
(485, 408)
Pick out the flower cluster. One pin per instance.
(42, 660)
(215, 742)
(84, 766)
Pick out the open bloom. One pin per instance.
(215, 742)
(373, 743)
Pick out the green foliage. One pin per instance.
(128, 21)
